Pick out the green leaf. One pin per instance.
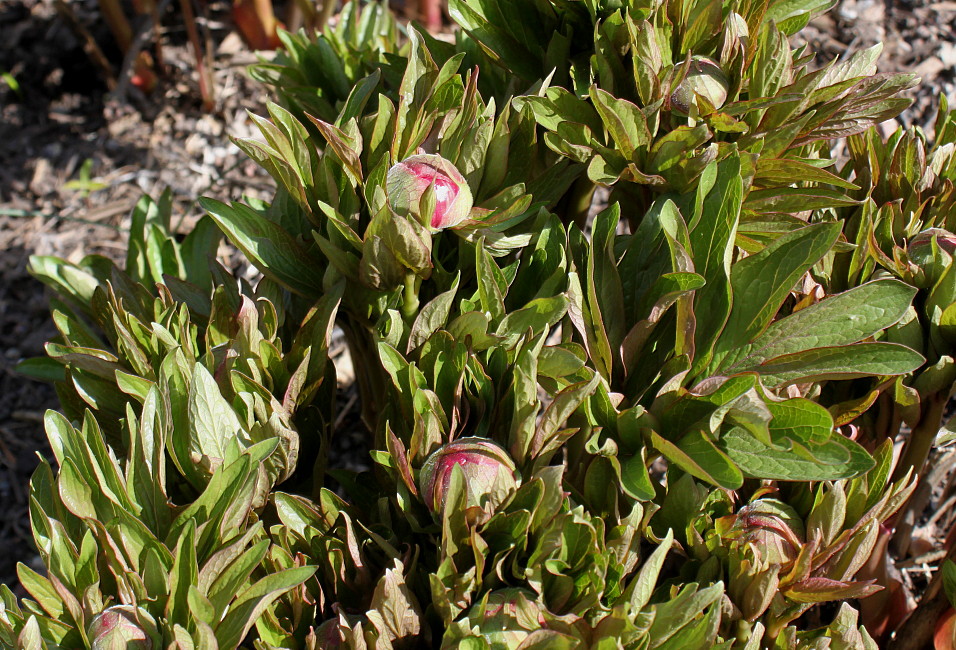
(842, 319)
(42, 369)
(788, 170)
(795, 199)
(271, 248)
(433, 316)
(712, 239)
(673, 614)
(547, 436)
(538, 316)
(41, 590)
(800, 420)
(624, 121)
(635, 479)
(792, 15)
(949, 581)
(251, 603)
(697, 455)
(394, 604)
(183, 574)
(839, 362)
(212, 421)
(228, 570)
(492, 285)
(817, 589)
(836, 459)
(30, 637)
(762, 281)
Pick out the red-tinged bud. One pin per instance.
(931, 261)
(327, 636)
(704, 78)
(752, 581)
(408, 183)
(122, 627)
(772, 527)
(488, 470)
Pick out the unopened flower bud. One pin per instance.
(327, 635)
(704, 78)
(408, 183)
(122, 628)
(488, 470)
(931, 264)
(772, 527)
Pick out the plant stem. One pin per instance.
(914, 458)
(582, 194)
(923, 436)
(328, 10)
(206, 88)
(89, 43)
(410, 296)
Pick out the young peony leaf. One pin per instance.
(639, 591)
(842, 319)
(761, 282)
(821, 590)
(705, 79)
(410, 183)
(395, 611)
(678, 614)
(270, 247)
(213, 422)
(839, 362)
(835, 459)
(123, 627)
(253, 601)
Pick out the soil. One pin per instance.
(75, 155)
(74, 159)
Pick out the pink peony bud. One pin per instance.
(704, 78)
(489, 475)
(408, 181)
(120, 628)
(930, 267)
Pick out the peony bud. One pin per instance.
(930, 266)
(327, 635)
(752, 581)
(773, 527)
(489, 475)
(704, 78)
(408, 182)
(121, 628)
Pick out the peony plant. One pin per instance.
(632, 353)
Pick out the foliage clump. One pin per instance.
(632, 350)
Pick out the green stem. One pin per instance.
(580, 206)
(914, 458)
(410, 296)
(370, 377)
(923, 436)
